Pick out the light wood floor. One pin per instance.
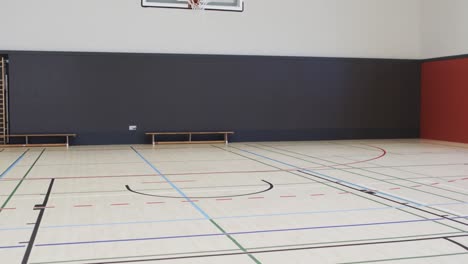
(367, 201)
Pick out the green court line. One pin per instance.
(199, 209)
(20, 182)
(394, 259)
(235, 242)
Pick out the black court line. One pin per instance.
(389, 199)
(85, 164)
(253, 248)
(77, 149)
(127, 162)
(279, 250)
(326, 183)
(270, 187)
(38, 223)
(347, 171)
(456, 243)
(281, 152)
(167, 189)
(231, 172)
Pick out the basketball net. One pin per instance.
(198, 4)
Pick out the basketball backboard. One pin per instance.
(222, 5)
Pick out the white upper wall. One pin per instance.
(445, 28)
(334, 28)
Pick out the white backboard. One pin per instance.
(221, 5)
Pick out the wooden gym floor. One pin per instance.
(368, 201)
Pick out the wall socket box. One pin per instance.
(132, 128)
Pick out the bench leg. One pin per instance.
(226, 138)
(68, 142)
(152, 138)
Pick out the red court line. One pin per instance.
(384, 152)
(84, 177)
(167, 182)
(224, 199)
(225, 172)
(219, 199)
(43, 207)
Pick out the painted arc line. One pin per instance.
(243, 232)
(173, 185)
(270, 187)
(330, 178)
(223, 232)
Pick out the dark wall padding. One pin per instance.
(98, 95)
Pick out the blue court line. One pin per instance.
(173, 185)
(9, 247)
(201, 211)
(13, 164)
(303, 213)
(106, 224)
(225, 217)
(125, 223)
(448, 204)
(243, 232)
(198, 219)
(364, 188)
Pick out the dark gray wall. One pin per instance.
(97, 95)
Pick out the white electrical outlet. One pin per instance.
(132, 128)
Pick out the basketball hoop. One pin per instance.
(198, 4)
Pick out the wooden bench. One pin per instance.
(189, 134)
(27, 136)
